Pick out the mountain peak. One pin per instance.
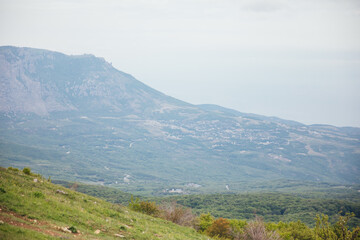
(40, 81)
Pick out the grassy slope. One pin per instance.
(33, 210)
(109, 194)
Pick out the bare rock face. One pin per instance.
(41, 82)
(20, 92)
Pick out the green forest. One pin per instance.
(270, 206)
(255, 229)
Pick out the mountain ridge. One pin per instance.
(77, 91)
(101, 125)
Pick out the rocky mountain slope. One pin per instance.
(97, 124)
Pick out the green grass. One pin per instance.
(11, 232)
(109, 194)
(42, 211)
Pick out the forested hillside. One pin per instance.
(275, 206)
(272, 206)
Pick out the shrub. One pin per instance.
(27, 170)
(39, 195)
(149, 208)
(177, 214)
(13, 169)
(237, 227)
(292, 230)
(73, 229)
(340, 230)
(134, 205)
(74, 186)
(146, 207)
(220, 228)
(204, 222)
(256, 230)
(323, 229)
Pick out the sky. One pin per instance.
(297, 60)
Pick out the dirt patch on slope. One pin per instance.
(17, 220)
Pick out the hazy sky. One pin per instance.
(298, 60)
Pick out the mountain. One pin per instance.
(43, 82)
(78, 118)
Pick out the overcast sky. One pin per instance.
(298, 60)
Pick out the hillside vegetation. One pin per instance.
(34, 208)
(31, 207)
(303, 203)
(109, 194)
(273, 207)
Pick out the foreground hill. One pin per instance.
(102, 126)
(33, 208)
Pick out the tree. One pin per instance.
(341, 228)
(323, 228)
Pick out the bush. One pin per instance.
(177, 214)
(39, 195)
(340, 230)
(146, 207)
(237, 227)
(256, 230)
(292, 230)
(220, 228)
(149, 208)
(73, 229)
(27, 170)
(13, 169)
(74, 186)
(204, 222)
(323, 229)
(134, 205)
